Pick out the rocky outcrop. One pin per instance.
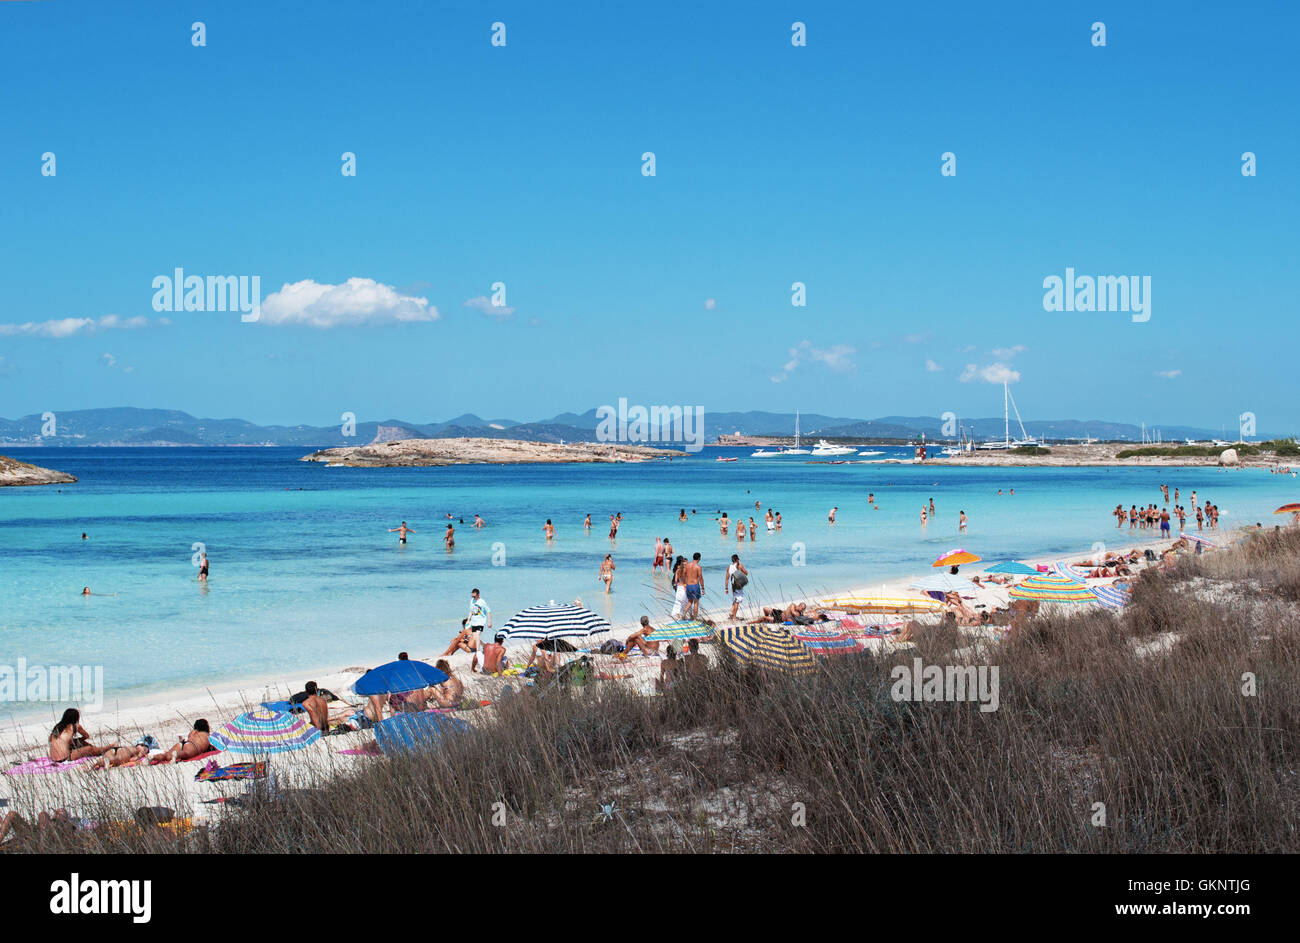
(1229, 457)
(14, 472)
(477, 451)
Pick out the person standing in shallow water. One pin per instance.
(606, 574)
(449, 538)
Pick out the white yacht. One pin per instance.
(823, 449)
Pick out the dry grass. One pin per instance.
(1181, 759)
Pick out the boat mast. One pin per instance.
(796, 428)
(1006, 415)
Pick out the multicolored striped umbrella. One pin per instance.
(1113, 596)
(262, 732)
(1052, 587)
(685, 629)
(1292, 508)
(767, 646)
(1197, 539)
(553, 621)
(1014, 567)
(956, 558)
(882, 604)
(824, 640)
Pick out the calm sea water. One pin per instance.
(304, 573)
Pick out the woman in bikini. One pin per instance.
(69, 740)
(606, 574)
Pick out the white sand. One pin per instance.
(170, 716)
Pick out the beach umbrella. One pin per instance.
(825, 640)
(1014, 567)
(882, 604)
(683, 629)
(554, 621)
(1052, 587)
(943, 582)
(1070, 570)
(261, 732)
(1292, 508)
(956, 558)
(767, 646)
(1197, 539)
(397, 677)
(411, 732)
(1113, 596)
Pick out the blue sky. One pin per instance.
(774, 164)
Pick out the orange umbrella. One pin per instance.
(1292, 508)
(956, 558)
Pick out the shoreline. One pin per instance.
(169, 712)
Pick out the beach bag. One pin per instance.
(738, 581)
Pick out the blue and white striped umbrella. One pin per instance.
(554, 621)
(1113, 596)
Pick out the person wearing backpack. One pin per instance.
(736, 579)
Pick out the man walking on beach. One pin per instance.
(480, 617)
(734, 582)
(693, 575)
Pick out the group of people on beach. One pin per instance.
(69, 741)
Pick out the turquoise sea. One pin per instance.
(304, 573)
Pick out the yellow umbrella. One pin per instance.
(956, 558)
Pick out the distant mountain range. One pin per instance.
(125, 426)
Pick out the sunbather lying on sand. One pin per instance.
(192, 746)
(120, 756)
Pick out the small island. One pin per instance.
(482, 451)
(14, 472)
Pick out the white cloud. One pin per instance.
(993, 373)
(358, 301)
(921, 337)
(932, 367)
(710, 304)
(1008, 353)
(484, 304)
(1168, 374)
(108, 360)
(836, 358)
(69, 327)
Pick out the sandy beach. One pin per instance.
(169, 716)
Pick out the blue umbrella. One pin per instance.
(398, 676)
(1012, 566)
(411, 732)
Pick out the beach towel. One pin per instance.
(213, 773)
(44, 764)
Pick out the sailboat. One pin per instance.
(782, 450)
(964, 444)
(1007, 442)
